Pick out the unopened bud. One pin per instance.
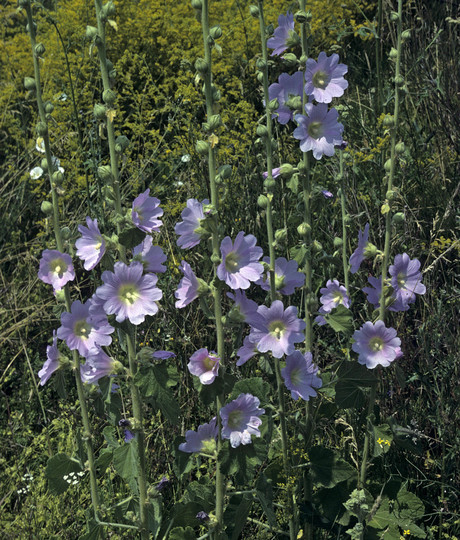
(65, 233)
(286, 170)
(49, 107)
(254, 11)
(225, 171)
(30, 84)
(394, 16)
(260, 77)
(108, 97)
(273, 105)
(57, 178)
(39, 49)
(338, 242)
(387, 165)
(197, 4)
(269, 184)
(261, 64)
(91, 32)
(398, 218)
(300, 17)
(100, 111)
(400, 148)
(216, 94)
(390, 195)
(42, 128)
(399, 80)
(215, 121)
(290, 60)
(262, 131)
(201, 65)
(215, 32)
(317, 246)
(108, 10)
(370, 251)
(303, 229)
(388, 121)
(44, 164)
(105, 173)
(262, 201)
(393, 53)
(46, 207)
(121, 144)
(280, 235)
(202, 147)
(294, 102)
(405, 35)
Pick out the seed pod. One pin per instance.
(254, 11)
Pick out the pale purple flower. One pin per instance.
(146, 211)
(247, 351)
(163, 355)
(376, 345)
(319, 131)
(201, 440)
(125, 424)
(287, 276)
(327, 194)
(333, 295)
(324, 79)
(91, 245)
(202, 516)
(240, 264)
(51, 363)
(282, 35)
(150, 256)
(56, 269)
(188, 286)
(300, 375)
(205, 365)
(240, 419)
(406, 279)
(186, 229)
(84, 331)
(287, 86)
(244, 307)
(163, 483)
(358, 255)
(277, 329)
(373, 295)
(129, 294)
(97, 365)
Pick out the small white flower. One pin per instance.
(36, 172)
(65, 476)
(40, 145)
(185, 158)
(63, 96)
(74, 482)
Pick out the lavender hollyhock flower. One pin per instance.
(244, 308)
(205, 365)
(275, 173)
(240, 419)
(91, 245)
(146, 211)
(300, 375)
(186, 229)
(327, 194)
(319, 131)
(239, 264)
(56, 269)
(188, 286)
(126, 424)
(97, 365)
(284, 34)
(202, 516)
(287, 277)
(324, 79)
(163, 483)
(202, 440)
(373, 295)
(52, 363)
(163, 355)
(150, 256)
(406, 279)
(332, 295)
(277, 329)
(358, 255)
(287, 86)
(247, 351)
(376, 345)
(83, 330)
(128, 294)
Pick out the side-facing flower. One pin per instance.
(98, 365)
(288, 86)
(146, 211)
(205, 365)
(83, 329)
(240, 264)
(187, 229)
(373, 296)
(324, 79)
(36, 173)
(376, 345)
(91, 245)
(56, 269)
(247, 351)
(188, 286)
(129, 294)
(244, 308)
(284, 35)
(406, 279)
(150, 256)
(240, 419)
(277, 329)
(300, 375)
(52, 362)
(319, 130)
(201, 440)
(287, 276)
(358, 255)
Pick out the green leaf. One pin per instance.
(125, 460)
(96, 532)
(201, 494)
(299, 253)
(264, 493)
(360, 375)
(131, 238)
(255, 386)
(293, 183)
(110, 437)
(330, 501)
(154, 514)
(348, 395)
(340, 319)
(383, 437)
(236, 514)
(328, 468)
(351, 378)
(242, 461)
(383, 517)
(221, 385)
(408, 507)
(183, 463)
(179, 533)
(57, 467)
(104, 459)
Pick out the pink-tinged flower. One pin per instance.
(150, 256)
(52, 362)
(240, 264)
(373, 296)
(56, 269)
(188, 286)
(358, 255)
(244, 308)
(91, 245)
(84, 331)
(376, 345)
(187, 229)
(203, 440)
(128, 294)
(205, 365)
(300, 375)
(319, 131)
(287, 277)
(277, 329)
(240, 419)
(97, 365)
(324, 79)
(284, 35)
(288, 86)
(406, 279)
(247, 351)
(146, 211)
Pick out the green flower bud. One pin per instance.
(105, 173)
(390, 195)
(121, 144)
(394, 16)
(108, 97)
(260, 77)
(30, 84)
(100, 111)
(294, 102)
(399, 80)
(303, 229)
(197, 4)
(317, 246)
(65, 232)
(215, 121)
(273, 105)
(400, 148)
(49, 107)
(91, 32)
(201, 66)
(42, 128)
(388, 121)
(47, 208)
(293, 40)
(216, 95)
(44, 164)
(225, 171)
(261, 64)
(202, 147)
(301, 17)
(287, 170)
(262, 201)
(290, 60)
(215, 32)
(254, 11)
(280, 235)
(262, 131)
(39, 49)
(393, 53)
(387, 165)
(405, 35)
(398, 218)
(370, 251)
(215, 259)
(57, 178)
(269, 184)
(108, 10)
(338, 242)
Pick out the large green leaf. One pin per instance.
(328, 468)
(340, 319)
(236, 514)
(254, 385)
(351, 378)
(242, 461)
(264, 493)
(179, 533)
(125, 460)
(202, 494)
(58, 467)
(154, 513)
(131, 238)
(408, 507)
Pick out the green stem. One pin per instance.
(344, 225)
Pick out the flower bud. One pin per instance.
(254, 11)
(398, 218)
(391, 195)
(262, 131)
(260, 77)
(225, 171)
(44, 164)
(57, 178)
(39, 49)
(215, 121)
(65, 232)
(293, 40)
(105, 173)
(370, 251)
(317, 246)
(47, 208)
(280, 235)
(49, 107)
(262, 201)
(338, 242)
(388, 121)
(400, 148)
(290, 60)
(286, 170)
(216, 95)
(197, 4)
(108, 97)
(399, 80)
(91, 32)
(301, 17)
(273, 105)
(121, 144)
(261, 64)
(303, 229)
(215, 32)
(108, 10)
(394, 16)
(393, 53)
(100, 111)
(215, 259)
(60, 298)
(269, 184)
(201, 66)
(42, 128)
(30, 84)
(405, 35)
(202, 147)
(294, 102)
(387, 165)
